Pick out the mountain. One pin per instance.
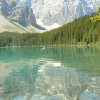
(60, 11)
(16, 17)
(17, 12)
(8, 25)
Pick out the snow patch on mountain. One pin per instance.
(55, 25)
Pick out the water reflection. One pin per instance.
(49, 75)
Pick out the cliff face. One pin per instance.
(60, 11)
(4, 8)
(17, 12)
(23, 15)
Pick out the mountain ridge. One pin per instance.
(17, 12)
(17, 15)
(60, 11)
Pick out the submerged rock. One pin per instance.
(89, 96)
(36, 97)
(19, 98)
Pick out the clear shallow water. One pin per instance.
(53, 73)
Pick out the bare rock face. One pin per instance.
(11, 3)
(23, 15)
(17, 12)
(61, 11)
(4, 8)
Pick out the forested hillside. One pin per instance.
(79, 32)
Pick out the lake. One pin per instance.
(50, 73)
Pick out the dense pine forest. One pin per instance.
(82, 31)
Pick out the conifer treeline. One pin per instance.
(81, 31)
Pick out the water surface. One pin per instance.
(53, 73)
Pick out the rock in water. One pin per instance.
(89, 96)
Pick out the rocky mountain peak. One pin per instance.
(23, 15)
(20, 13)
(61, 11)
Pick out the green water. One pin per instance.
(53, 73)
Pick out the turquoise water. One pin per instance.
(52, 73)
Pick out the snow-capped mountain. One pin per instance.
(60, 11)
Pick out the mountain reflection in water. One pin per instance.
(46, 79)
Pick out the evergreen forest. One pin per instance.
(82, 31)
